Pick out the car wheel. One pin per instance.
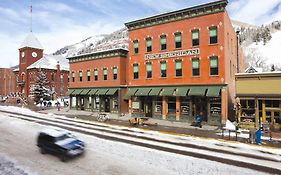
(42, 151)
(63, 158)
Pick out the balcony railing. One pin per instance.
(20, 83)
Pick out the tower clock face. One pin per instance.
(22, 54)
(34, 54)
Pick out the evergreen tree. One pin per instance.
(40, 90)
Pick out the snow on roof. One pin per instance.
(50, 62)
(55, 131)
(31, 41)
(252, 69)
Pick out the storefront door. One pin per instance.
(106, 104)
(148, 106)
(200, 105)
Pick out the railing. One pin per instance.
(20, 83)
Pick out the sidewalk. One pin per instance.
(164, 126)
(78, 114)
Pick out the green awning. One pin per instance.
(93, 91)
(168, 91)
(154, 91)
(85, 91)
(200, 91)
(131, 92)
(142, 91)
(102, 91)
(70, 91)
(111, 91)
(182, 91)
(76, 91)
(213, 91)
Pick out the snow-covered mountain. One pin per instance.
(261, 44)
(117, 39)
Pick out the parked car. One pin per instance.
(60, 142)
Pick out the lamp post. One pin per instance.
(237, 46)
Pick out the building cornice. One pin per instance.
(191, 12)
(98, 55)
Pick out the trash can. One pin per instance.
(258, 136)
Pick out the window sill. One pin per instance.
(178, 77)
(178, 48)
(214, 75)
(162, 77)
(213, 44)
(148, 78)
(195, 76)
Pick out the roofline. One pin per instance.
(190, 12)
(99, 55)
(26, 47)
(258, 74)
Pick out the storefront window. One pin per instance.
(73, 101)
(158, 106)
(90, 102)
(185, 107)
(115, 104)
(96, 102)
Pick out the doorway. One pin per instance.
(147, 104)
(200, 107)
(106, 104)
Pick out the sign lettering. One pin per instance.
(179, 53)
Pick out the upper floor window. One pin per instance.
(163, 42)
(53, 77)
(114, 72)
(178, 67)
(148, 70)
(136, 46)
(95, 74)
(163, 69)
(195, 37)
(195, 67)
(80, 75)
(214, 65)
(88, 75)
(136, 71)
(73, 76)
(213, 33)
(148, 44)
(178, 40)
(104, 72)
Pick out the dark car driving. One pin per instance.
(60, 142)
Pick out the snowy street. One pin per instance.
(18, 145)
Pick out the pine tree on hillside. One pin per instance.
(266, 35)
(40, 90)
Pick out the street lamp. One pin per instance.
(237, 44)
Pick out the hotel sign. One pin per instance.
(179, 53)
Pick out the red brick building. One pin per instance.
(98, 81)
(180, 64)
(32, 59)
(183, 63)
(8, 81)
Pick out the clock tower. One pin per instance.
(30, 51)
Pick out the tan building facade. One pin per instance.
(259, 99)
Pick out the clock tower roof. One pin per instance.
(31, 41)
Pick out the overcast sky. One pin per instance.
(57, 23)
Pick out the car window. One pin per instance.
(63, 137)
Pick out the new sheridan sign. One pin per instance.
(179, 53)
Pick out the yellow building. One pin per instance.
(259, 99)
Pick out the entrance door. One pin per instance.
(148, 107)
(200, 104)
(106, 104)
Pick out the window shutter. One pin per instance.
(213, 32)
(178, 64)
(195, 63)
(214, 62)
